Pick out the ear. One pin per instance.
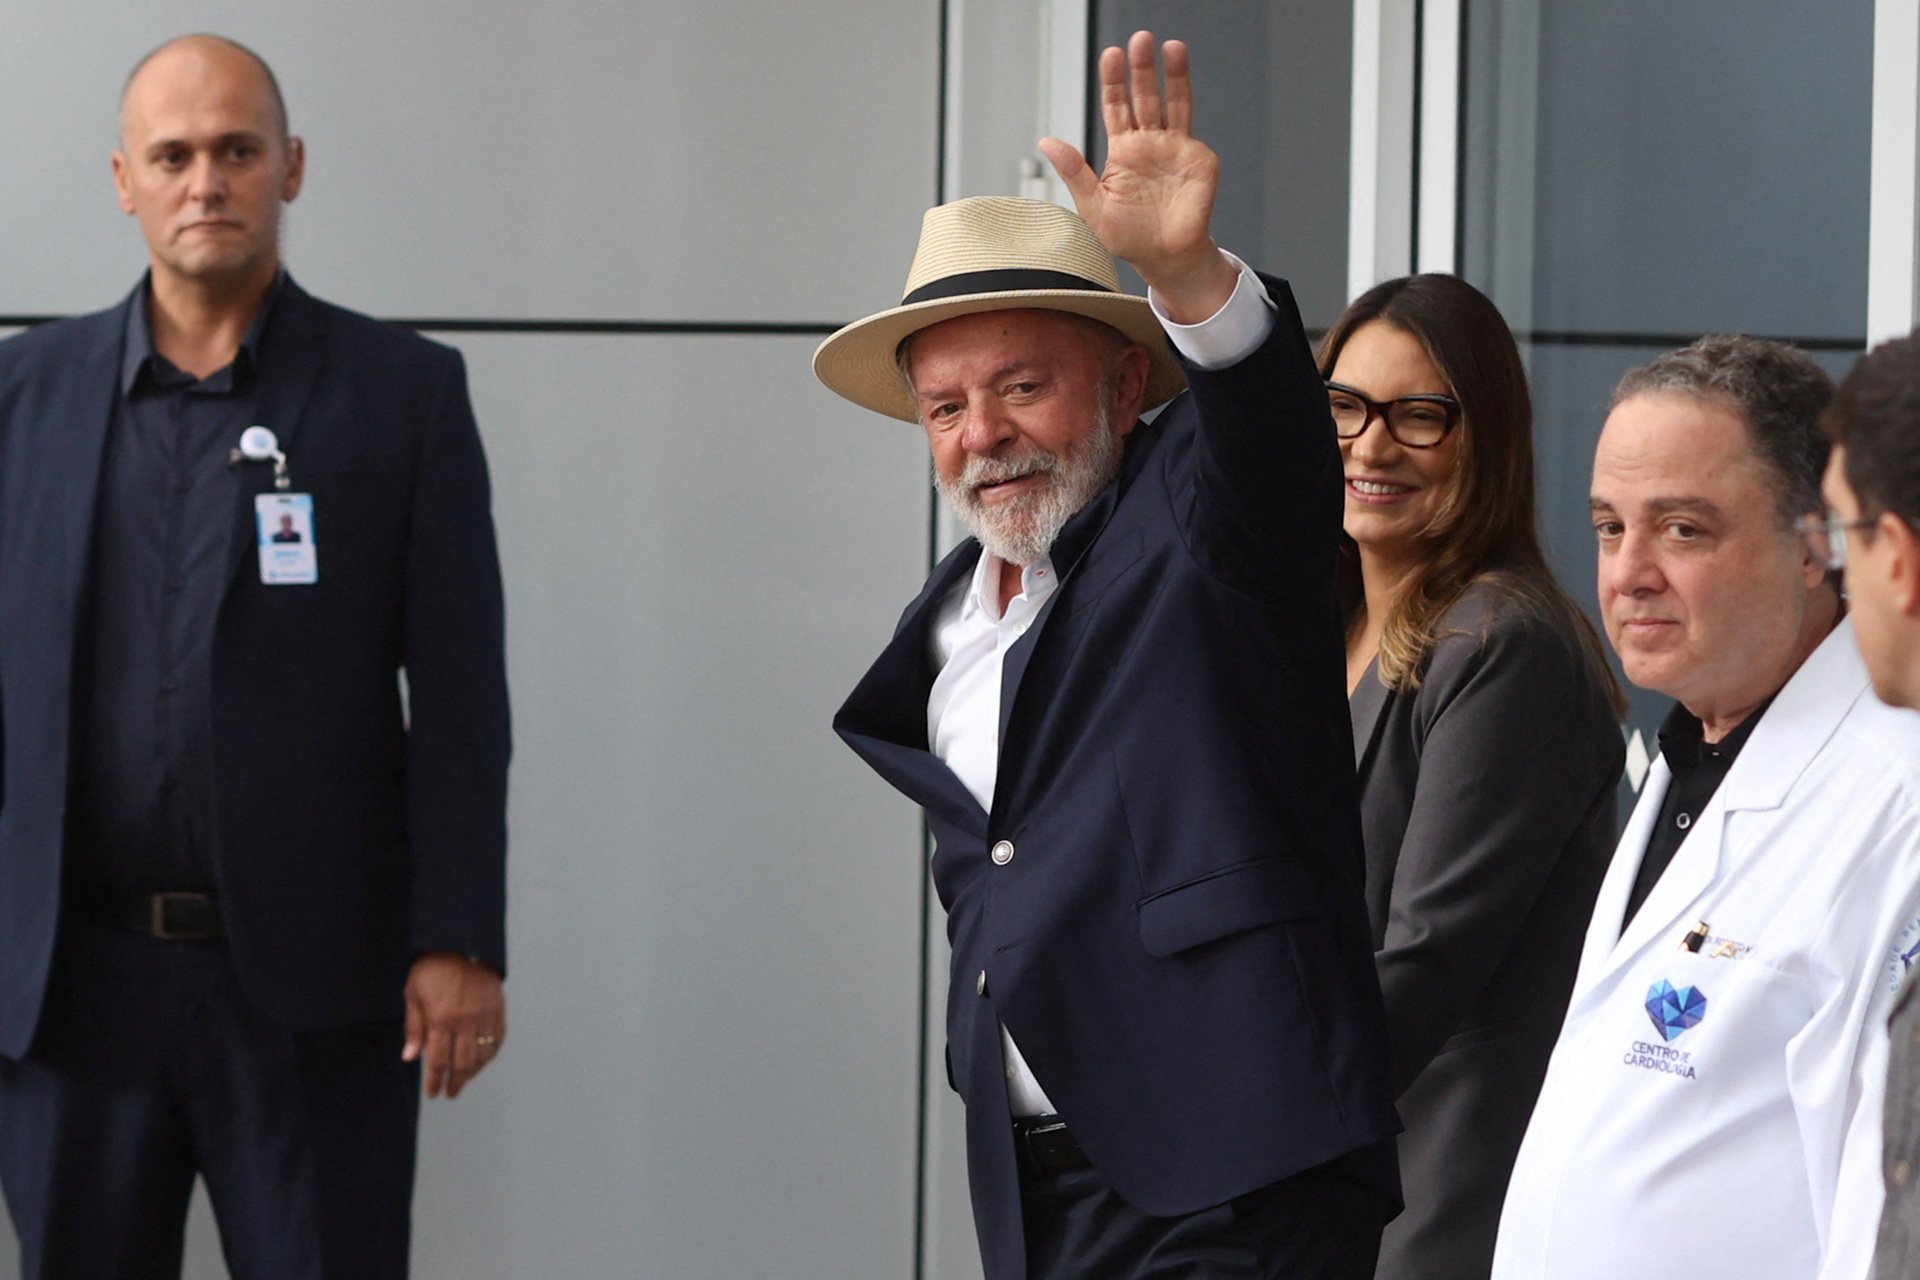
(1812, 572)
(296, 169)
(122, 181)
(1903, 562)
(1130, 387)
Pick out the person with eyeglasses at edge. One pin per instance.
(1871, 536)
(1712, 1106)
(1486, 731)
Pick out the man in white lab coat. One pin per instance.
(1872, 534)
(1712, 1107)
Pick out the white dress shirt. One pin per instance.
(971, 635)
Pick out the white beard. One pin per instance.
(1022, 531)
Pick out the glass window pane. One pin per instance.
(1273, 91)
(1638, 173)
(1643, 167)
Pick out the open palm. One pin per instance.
(1153, 202)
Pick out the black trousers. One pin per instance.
(149, 1068)
(1322, 1224)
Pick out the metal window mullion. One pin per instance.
(1439, 140)
(1893, 217)
(1380, 210)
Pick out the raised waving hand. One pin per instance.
(1153, 203)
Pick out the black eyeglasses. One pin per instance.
(1826, 538)
(1418, 422)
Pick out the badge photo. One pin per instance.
(284, 524)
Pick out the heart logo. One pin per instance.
(1675, 1010)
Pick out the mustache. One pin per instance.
(983, 471)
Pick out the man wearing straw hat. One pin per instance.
(1121, 705)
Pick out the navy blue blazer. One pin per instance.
(353, 831)
(1179, 943)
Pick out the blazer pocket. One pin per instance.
(1242, 897)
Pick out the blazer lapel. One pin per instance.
(1084, 573)
(1368, 709)
(884, 719)
(77, 453)
(293, 353)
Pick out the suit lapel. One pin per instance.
(1013, 668)
(77, 453)
(884, 719)
(293, 353)
(1082, 571)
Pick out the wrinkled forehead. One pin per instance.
(1013, 336)
(1038, 325)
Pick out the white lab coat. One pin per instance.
(1747, 1144)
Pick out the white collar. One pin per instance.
(1037, 581)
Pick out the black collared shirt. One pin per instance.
(140, 812)
(1698, 768)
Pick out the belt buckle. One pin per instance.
(157, 918)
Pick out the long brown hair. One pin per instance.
(1485, 526)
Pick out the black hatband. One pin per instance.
(1007, 280)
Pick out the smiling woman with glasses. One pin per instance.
(1417, 422)
(1487, 742)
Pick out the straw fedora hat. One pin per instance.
(992, 253)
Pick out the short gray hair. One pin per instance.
(1776, 388)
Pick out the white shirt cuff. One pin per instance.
(1230, 334)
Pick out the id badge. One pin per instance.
(285, 529)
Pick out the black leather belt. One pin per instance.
(171, 917)
(1046, 1146)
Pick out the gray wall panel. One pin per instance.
(715, 908)
(657, 161)
(714, 923)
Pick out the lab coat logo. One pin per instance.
(1674, 1011)
(1905, 956)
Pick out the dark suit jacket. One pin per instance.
(348, 838)
(1179, 942)
(1488, 806)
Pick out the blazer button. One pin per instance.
(980, 984)
(1003, 853)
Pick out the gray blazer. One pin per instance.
(1487, 803)
(1897, 1256)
